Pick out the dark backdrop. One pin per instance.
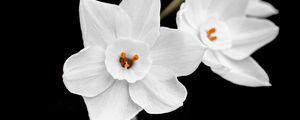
(51, 33)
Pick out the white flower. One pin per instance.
(129, 63)
(229, 38)
(259, 8)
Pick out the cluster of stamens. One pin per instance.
(127, 62)
(209, 34)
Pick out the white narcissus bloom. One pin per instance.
(259, 8)
(129, 62)
(229, 38)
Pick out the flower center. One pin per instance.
(209, 34)
(127, 59)
(127, 62)
(214, 34)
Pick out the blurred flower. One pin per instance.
(129, 62)
(229, 38)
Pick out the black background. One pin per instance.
(48, 32)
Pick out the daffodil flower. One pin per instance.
(129, 62)
(229, 38)
(259, 8)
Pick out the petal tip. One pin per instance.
(267, 84)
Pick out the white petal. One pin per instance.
(145, 16)
(160, 92)
(258, 8)
(226, 9)
(123, 24)
(103, 23)
(85, 73)
(177, 50)
(183, 23)
(196, 10)
(244, 72)
(112, 104)
(251, 35)
(209, 58)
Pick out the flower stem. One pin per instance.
(170, 8)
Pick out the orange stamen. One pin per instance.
(123, 55)
(125, 62)
(211, 31)
(135, 57)
(213, 38)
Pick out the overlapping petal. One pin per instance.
(177, 50)
(183, 22)
(222, 9)
(251, 35)
(227, 9)
(196, 10)
(159, 92)
(145, 16)
(245, 72)
(103, 23)
(112, 104)
(259, 8)
(85, 73)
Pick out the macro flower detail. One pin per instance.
(129, 63)
(229, 36)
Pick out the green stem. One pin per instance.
(174, 5)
